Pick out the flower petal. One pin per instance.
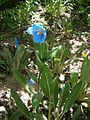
(31, 82)
(30, 30)
(39, 33)
(16, 42)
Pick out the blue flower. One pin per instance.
(38, 32)
(16, 42)
(31, 82)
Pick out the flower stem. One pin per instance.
(49, 109)
(54, 114)
(38, 81)
(57, 18)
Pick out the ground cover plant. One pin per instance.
(54, 91)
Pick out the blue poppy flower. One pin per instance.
(31, 82)
(38, 32)
(16, 42)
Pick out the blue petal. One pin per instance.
(31, 82)
(16, 42)
(39, 33)
(30, 30)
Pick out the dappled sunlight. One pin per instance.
(44, 60)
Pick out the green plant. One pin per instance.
(52, 7)
(18, 16)
(83, 98)
(8, 61)
(60, 58)
(88, 19)
(80, 10)
(48, 86)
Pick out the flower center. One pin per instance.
(39, 31)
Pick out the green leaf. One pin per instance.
(24, 109)
(52, 40)
(19, 53)
(74, 79)
(31, 75)
(87, 101)
(2, 75)
(85, 71)
(40, 65)
(87, 95)
(21, 105)
(45, 50)
(22, 81)
(55, 91)
(66, 52)
(72, 97)
(54, 51)
(73, 55)
(88, 19)
(18, 56)
(64, 95)
(15, 115)
(77, 113)
(40, 116)
(2, 62)
(24, 60)
(36, 100)
(6, 55)
(42, 51)
(46, 81)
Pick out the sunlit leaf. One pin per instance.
(74, 79)
(22, 81)
(23, 108)
(72, 97)
(46, 81)
(85, 71)
(36, 100)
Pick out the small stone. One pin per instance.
(8, 95)
(62, 77)
(3, 113)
